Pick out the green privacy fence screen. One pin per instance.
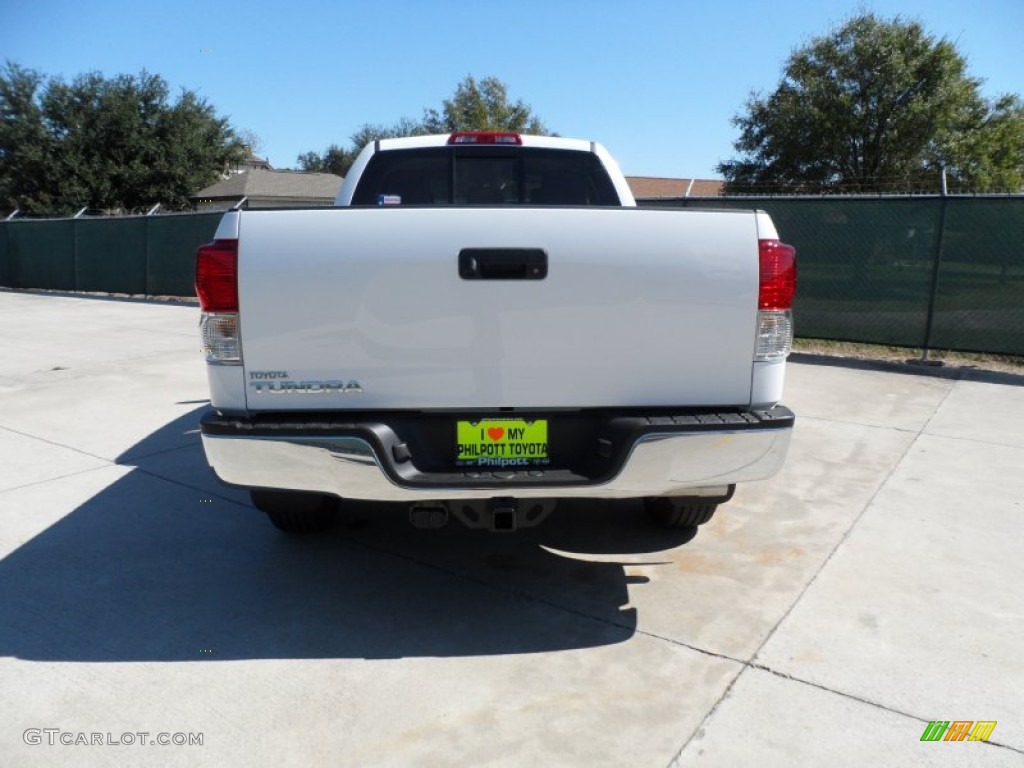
(152, 255)
(941, 273)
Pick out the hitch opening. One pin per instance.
(503, 515)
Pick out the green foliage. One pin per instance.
(370, 133)
(475, 106)
(334, 160)
(877, 105)
(115, 143)
(482, 106)
(990, 154)
(338, 160)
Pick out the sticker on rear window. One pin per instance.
(389, 199)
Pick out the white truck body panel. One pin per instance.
(639, 308)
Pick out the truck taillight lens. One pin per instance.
(217, 276)
(778, 275)
(217, 289)
(775, 300)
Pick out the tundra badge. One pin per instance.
(277, 382)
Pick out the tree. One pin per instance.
(115, 143)
(334, 160)
(877, 105)
(338, 160)
(251, 141)
(482, 106)
(989, 155)
(474, 106)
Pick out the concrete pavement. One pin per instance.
(823, 617)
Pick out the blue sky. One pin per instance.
(656, 82)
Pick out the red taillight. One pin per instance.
(484, 137)
(778, 275)
(217, 276)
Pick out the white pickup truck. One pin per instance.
(486, 323)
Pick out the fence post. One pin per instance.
(145, 259)
(74, 250)
(933, 295)
(149, 237)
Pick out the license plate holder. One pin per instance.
(502, 443)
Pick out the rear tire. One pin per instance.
(684, 511)
(677, 513)
(296, 511)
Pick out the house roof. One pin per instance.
(261, 183)
(647, 187)
(252, 162)
(298, 184)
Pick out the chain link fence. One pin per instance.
(152, 255)
(931, 272)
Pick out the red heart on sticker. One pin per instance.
(495, 433)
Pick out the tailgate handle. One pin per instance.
(503, 264)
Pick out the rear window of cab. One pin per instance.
(485, 176)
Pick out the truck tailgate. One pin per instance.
(639, 307)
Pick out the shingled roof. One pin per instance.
(299, 186)
(286, 185)
(653, 187)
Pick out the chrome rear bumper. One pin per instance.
(661, 463)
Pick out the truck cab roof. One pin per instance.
(589, 175)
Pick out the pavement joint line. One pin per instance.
(53, 479)
(750, 664)
(714, 708)
(910, 431)
(191, 487)
(959, 439)
(56, 444)
(112, 463)
(119, 461)
(942, 402)
(860, 424)
(860, 700)
(810, 582)
(130, 458)
(132, 468)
